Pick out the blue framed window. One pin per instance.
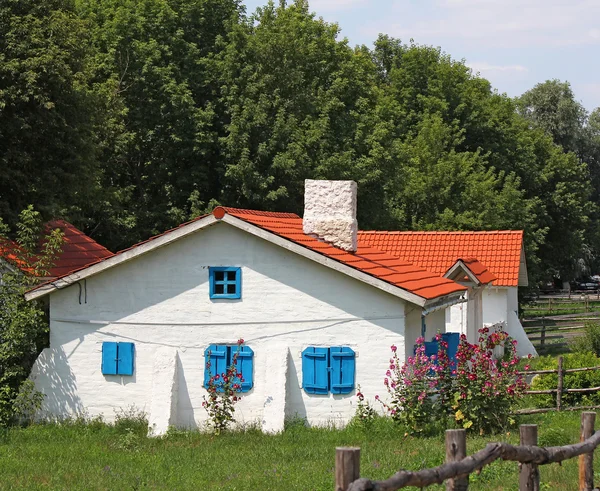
(221, 357)
(327, 370)
(117, 358)
(225, 282)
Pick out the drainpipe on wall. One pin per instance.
(423, 326)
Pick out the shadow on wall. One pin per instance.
(294, 403)
(184, 412)
(54, 378)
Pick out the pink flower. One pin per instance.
(394, 348)
(240, 341)
(376, 398)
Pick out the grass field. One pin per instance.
(96, 456)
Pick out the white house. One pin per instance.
(498, 260)
(317, 310)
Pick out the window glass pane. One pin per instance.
(231, 288)
(219, 289)
(219, 275)
(230, 275)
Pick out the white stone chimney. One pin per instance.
(330, 212)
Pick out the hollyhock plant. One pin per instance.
(476, 390)
(409, 388)
(487, 388)
(223, 393)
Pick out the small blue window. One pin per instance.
(117, 358)
(221, 358)
(327, 370)
(225, 282)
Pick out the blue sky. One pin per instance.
(513, 43)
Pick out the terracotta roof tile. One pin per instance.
(499, 250)
(369, 258)
(78, 250)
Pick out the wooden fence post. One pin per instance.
(543, 334)
(586, 461)
(347, 467)
(456, 449)
(559, 389)
(529, 474)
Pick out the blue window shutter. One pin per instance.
(109, 358)
(315, 372)
(217, 355)
(125, 353)
(453, 340)
(343, 362)
(245, 365)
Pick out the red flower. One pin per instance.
(240, 341)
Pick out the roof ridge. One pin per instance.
(245, 211)
(438, 232)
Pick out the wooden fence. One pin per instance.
(458, 466)
(555, 331)
(559, 389)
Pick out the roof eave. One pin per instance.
(116, 259)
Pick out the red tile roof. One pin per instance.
(499, 250)
(400, 273)
(78, 250)
(481, 272)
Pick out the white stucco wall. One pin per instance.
(501, 305)
(161, 301)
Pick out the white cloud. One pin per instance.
(334, 5)
(496, 23)
(486, 67)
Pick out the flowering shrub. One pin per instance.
(365, 413)
(475, 390)
(223, 394)
(410, 389)
(485, 389)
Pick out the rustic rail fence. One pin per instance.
(458, 466)
(547, 332)
(560, 390)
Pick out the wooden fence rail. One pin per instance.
(458, 467)
(559, 389)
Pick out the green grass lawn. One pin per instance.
(97, 456)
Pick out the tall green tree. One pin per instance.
(551, 106)
(155, 69)
(300, 104)
(47, 113)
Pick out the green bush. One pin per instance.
(590, 341)
(577, 380)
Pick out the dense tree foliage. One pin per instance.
(23, 325)
(47, 110)
(129, 117)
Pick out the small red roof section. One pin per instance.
(398, 272)
(78, 250)
(499, 250)
(475, 268)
